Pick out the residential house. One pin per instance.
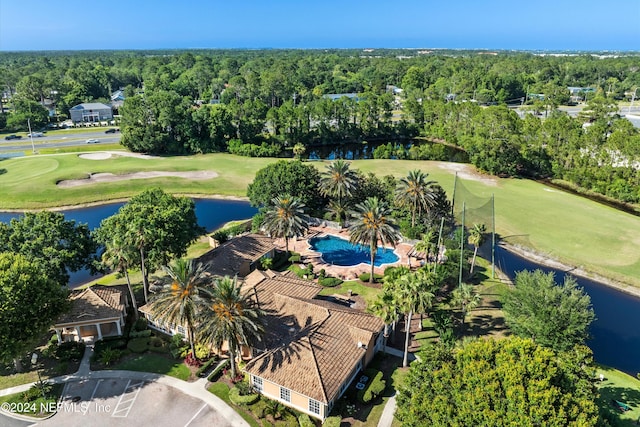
(90, 112)
(96, 312)
(313, 349)
(236, 257)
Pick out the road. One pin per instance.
(59, 140)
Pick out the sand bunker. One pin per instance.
(109, 177)
(104, 155)
(466, 171)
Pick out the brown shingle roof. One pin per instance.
(311, 345)
(95, 303)
(226, 259)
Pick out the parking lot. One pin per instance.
(123, 402)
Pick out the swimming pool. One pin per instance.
(341, 252)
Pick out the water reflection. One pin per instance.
(615, 332)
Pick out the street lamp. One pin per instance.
(34, 361)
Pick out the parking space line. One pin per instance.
(195, 415)
(95, 389)
(128, 402)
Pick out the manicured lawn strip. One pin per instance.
(155, 364)
(13, 380)
(622, 387)
(222, 391)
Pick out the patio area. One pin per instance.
(308, 255)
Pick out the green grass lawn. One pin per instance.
(222, 391)
(622, 387)
(569, 228)
(156, 364)
(356, 287)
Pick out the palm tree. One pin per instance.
(118, 256)
(338, 182)
(384, 308)
(373, 223)
(476, 238)
(285, 218)
(416, 193)
(231, 318)
(413, 295)
(465, 297)
(180, 301)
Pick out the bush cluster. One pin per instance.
(205, 366)
(332, 422)
(305, 421)
(241, 400)
(330, 282)
(139, 334)
(364, 277)
(138, 345)
(218, 370)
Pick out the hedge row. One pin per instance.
(237, 399)
(305, 421)
(218, 370)
(200, 372)
(364, 277)
(138, 334)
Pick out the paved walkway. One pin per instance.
(390, 407)
(195, 389)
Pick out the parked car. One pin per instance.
(10, 137)
(92, 141)
(35, 134)
(112, 130)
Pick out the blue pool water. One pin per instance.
(338, 251)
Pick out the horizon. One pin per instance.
(546, 26)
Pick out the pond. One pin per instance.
(615, 334)
(341, 252)
(211, 213)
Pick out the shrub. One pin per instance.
(138, 345)
(109, 355)
(266, 263)
(322, 274)
(155, 341)
(294, 258)
(138, 334)
(244, 388)
(70, 351)
(205, 366)
(256, 222)
(373, 388)
(190, 360)
(53, 339)
(364, 277)
(330, 282)
(241, 400)
(218, 370)
(140, 325)
(221, 236)
(305, 421)
(332, 422)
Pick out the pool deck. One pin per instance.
(303, 247)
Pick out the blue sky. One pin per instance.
(492, 24)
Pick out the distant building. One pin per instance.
(336, 96)
(90, 112)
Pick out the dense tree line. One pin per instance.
(267, 102)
